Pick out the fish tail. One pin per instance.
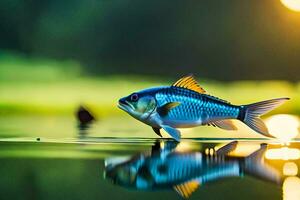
(250, 114)
(254, 166)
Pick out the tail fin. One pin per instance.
(249, 114)
(255, 166)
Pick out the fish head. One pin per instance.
(139, 105)
(121, 175)
(132, 172)
(123, 170)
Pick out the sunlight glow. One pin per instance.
(207, 151)
(284, 127)
(292, 4)
(211, 152)
(290, 169)
(291, 188)
(162, 145)
(243, 150)
(184, 147)
(283, 153)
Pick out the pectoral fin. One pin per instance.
(173, 132)
(186, 189)
(163, 110)
(224, 124)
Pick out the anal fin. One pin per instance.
(226, 149)
(225, 124)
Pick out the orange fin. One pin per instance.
(189, 82)
(225, 124)
(186, 189)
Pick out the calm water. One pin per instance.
(51, 161)
(98, 168)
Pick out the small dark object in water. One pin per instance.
(84, 116)
(38, 139)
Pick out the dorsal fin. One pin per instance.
(189, 82)
(186, 189)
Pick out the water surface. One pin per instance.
(75, 168)
(50, 158)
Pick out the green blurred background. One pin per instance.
(56, 55)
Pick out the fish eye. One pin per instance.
(134, 97)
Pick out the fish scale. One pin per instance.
(194, 106)
(177, 171)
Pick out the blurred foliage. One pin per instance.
(39, 98)
(17, 67)
(58, 54)
(221, 40)
(39, 86)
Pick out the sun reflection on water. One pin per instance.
(283, 153)
(290, 169)
(244, 150)
(285, 128)
(291, 188)
(184, 146)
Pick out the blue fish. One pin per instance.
(185, 104)
(185, 171)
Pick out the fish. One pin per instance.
(167, 168)
(186, 104)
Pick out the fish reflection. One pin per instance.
(167, 168)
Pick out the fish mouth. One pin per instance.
(124, 105)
